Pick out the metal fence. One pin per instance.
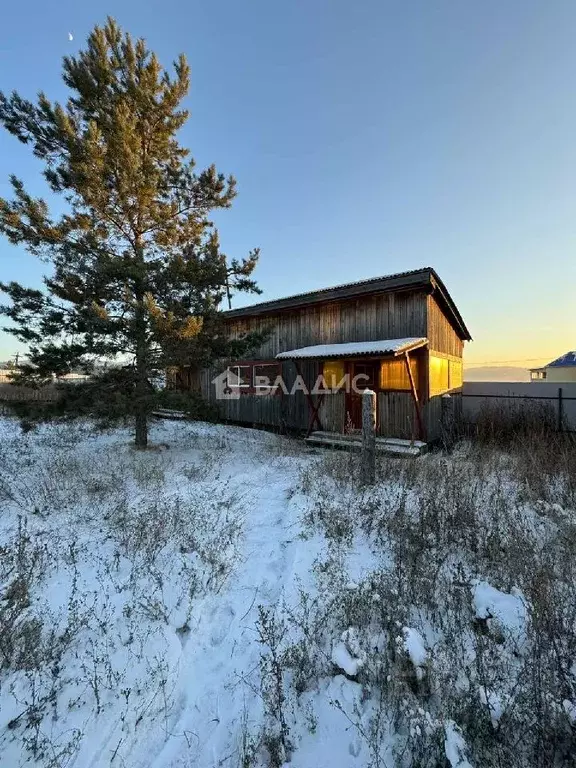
(479, 395)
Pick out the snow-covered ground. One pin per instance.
(232, 598)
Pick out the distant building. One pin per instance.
(559, 370)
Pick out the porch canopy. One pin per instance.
(393, 347)
(357, 349)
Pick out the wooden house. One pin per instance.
(400, 335)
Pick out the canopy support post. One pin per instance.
(415, 397)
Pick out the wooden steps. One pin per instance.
(167, 413)
(390, 446)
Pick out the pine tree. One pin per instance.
(137, 269)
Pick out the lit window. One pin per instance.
(455, 374)
(439, 375)
(333, 373)
(394, 374)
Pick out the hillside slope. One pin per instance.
(496, 373)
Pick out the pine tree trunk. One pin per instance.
(141, 420)
(141, 431)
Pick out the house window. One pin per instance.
(537, 375)
(439, 375)
(240, 376)
(455, 377)
(333, 372)
(394, 374)
(265, 374)
(254, 377)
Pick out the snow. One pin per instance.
(146, 572)
(416, 649)
(493, 701)
(569, 359)
(508, 608)
(385, 346)
(345, 661)
(172, 648)
(347, 654)
(455, 746)
(570, 709)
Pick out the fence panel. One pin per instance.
(14, 393)
(477, 395)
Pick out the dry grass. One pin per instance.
(132, 546)
(500, 509)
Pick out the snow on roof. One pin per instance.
(353, 348)
(569, 359)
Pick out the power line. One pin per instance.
(507, 362)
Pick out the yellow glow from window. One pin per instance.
(438, 375)
(333, 372)
(394, 374)
(455, 374)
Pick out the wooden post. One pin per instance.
(447, 420)
(368, 457)
(560, 410)
(421, 434)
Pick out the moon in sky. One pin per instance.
(70, 36)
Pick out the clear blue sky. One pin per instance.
(367, 137)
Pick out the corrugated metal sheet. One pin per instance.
(354, 349)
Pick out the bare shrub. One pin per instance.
(132, 543)
(497, 510)
(505, 422)
(22, 563)
(545, 458)
(271, 635)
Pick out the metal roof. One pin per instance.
(354, 349)
(425, 278)
(567, 360)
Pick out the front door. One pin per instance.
(368, 373)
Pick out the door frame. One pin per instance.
(351, 396)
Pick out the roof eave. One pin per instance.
(439, 286)
(425, 278)
(419, 278)
(338, 355)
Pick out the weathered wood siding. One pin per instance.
(443, 342)
(333, 412)
(395, 413)
(440, 332)
(285, 412)
(433, 415)
(385, 316)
